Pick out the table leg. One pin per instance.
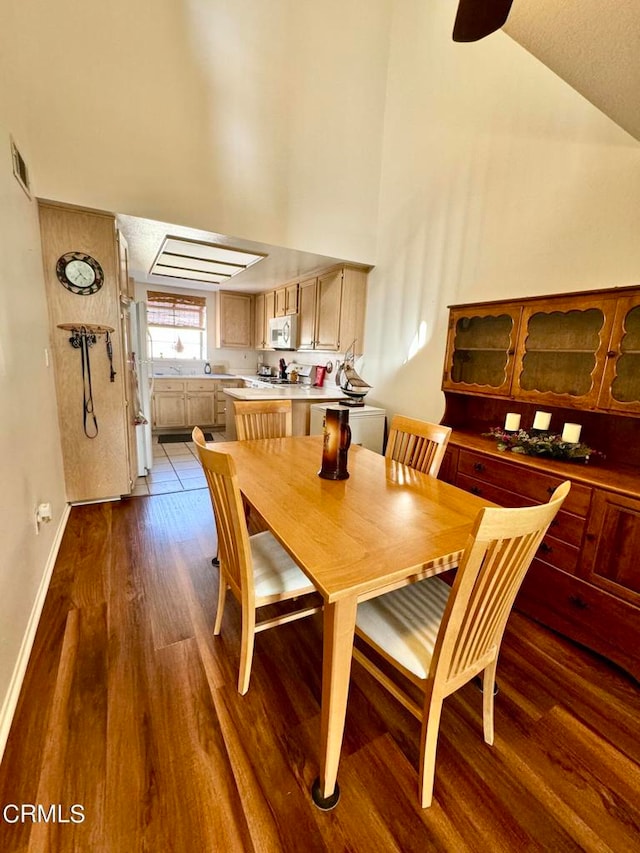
(339, 626)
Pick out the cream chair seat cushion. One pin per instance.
(274, 571)
(405, 623)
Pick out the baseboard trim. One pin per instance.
(15, 685)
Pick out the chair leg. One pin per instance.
(222, 597)
(246, 650)
(428, 746)
(488, 693)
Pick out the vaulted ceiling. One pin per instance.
(594, 45)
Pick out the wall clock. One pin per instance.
(80, 273)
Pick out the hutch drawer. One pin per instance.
(577, 609)
(533, 484)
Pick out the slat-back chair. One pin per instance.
(263, 418)
(441, 637)
(256, 569)
(419, 444)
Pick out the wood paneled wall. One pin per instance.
(94, 468)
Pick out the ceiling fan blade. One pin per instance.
(476, 19)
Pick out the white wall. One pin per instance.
(31, 466)
(244, 118)
(498, 180)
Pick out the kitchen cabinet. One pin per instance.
(263, 311)
(286, 300)
(578, 355)
(233, 320)
(578, 351)
(190, 402)
(331, 308)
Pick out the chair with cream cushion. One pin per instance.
(256, 569)
(263, 418)
(419, 444)
(440, 637)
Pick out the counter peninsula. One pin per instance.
(301, 396)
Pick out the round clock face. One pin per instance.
(80, 273)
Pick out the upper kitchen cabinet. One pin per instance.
(562, 350)
(263, 311)
(481, 349)
(621, 384)
(286, 300)
(331, 308)
(233, 320)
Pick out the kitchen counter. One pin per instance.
(301, 396)
(174, 375)
(287, 392)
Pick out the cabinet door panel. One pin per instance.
(621, 383)
(201, 408)
(480, 350)
(169, 410)
(328, 311)
(611, 556)
(562, 351)
(307, 314)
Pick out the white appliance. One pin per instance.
(140, 346)
(367, 424)
(283, 332)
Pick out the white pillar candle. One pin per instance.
(542, 420)
(512, 422)
(571, 433)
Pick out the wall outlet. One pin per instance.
(42, 515)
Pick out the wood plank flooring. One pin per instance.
(129, 708)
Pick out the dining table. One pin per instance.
(383, 526)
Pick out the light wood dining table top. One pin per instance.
(384, 526)
(386, 522)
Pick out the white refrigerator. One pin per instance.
(143, 370)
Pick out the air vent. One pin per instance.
(20, 169)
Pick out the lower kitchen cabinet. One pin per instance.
(190, 402)
(585, 579)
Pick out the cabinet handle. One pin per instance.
(546, 549)
(578, 602)
(475, 490)
(612, 354)
(478, 466)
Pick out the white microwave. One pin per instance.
(283, 332)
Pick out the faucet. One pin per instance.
(178, 370)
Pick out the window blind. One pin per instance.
(176, 310)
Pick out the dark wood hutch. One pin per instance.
(577, 357)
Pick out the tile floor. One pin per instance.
(175, 469)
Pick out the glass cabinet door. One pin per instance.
(621, 383)
(481, 349)
(562, 352)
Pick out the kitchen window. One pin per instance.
(177, 325)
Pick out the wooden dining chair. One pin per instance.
(419, 444)
(263, 419)
(440, 637)
(256, 569)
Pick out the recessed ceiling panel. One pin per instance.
(200, 261)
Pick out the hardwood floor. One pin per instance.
(129, 709)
